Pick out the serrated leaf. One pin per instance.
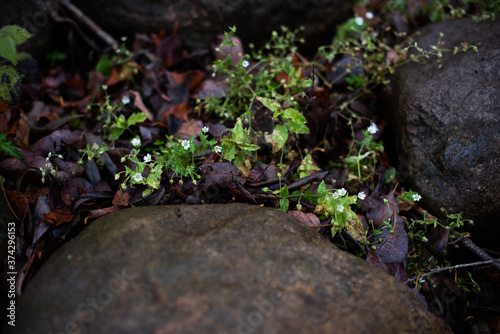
(8, 50)
(8, 148)
(19, 35)
(297, 127)
(10, 85)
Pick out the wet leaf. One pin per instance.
(310, 219)
(57, 217)
(170, 50)
(222, 174)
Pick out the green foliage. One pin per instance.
(439, 10)
(10, 37)
(8, 148)
(238, 145)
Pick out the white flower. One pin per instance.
(340, 208)
(204, 129)
(125, 100)
(147, 158)
(217, 149)
(361, 195)
(245, 63)
(136, 142)
(359, 20)
(104, 87)
(369, 15)
(416, 197)
(185, 144)
(226, 115)
(292, 98)
(373, 128)
(124, 38)
(342, 192)
(137, 177)
(335, 195)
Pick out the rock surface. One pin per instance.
(212, 269)
(446, 121)
(200, 21)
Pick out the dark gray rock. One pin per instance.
(200, 21)
(446, 121)
(212, 269)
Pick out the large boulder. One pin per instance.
(446, 121)
(200, 21)
(212, 269)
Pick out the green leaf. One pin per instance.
(10, 85)
(280, 135)
(136, 118)
(104, 65)
(297, 127)
(294, 115)
(8, 148)
(19, 35)
(322, 191)
(272, 105)
(8, 50)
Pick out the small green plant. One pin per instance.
(8, 147)
(366, 157)
(115, 125)
(49, 168)
(93, 152)
(176, 156)
(11, 61)
(419, 259)
(272, 74)
(337, 205)
(123, 59)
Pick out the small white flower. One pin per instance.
(226, 115)
(136, 142)
(362, 195)
(217, 149)
(342, 192)
(340, 208)
(118, 50)
(245, 63)
(124, 38)
(416, 197)
(147, 158)
(335, 195)
(292, 98)
(369, 15)
(359, 20)
(185, 144)
(104, 87)
(205, 129)
(125, 100)
(137, 177)
(373, 128)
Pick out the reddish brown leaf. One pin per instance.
(121, 198)
(222, 174)
(192, 127)
(140, 105)
(58, 217)
(18, 203)
(52, 142)
(180, 111)
(310, 219)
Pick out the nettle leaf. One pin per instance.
(10, 85)
(8, 49)
(16, 33)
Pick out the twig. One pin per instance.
(91, 24)
(467, 243)
(308, 179)
(494, 262)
